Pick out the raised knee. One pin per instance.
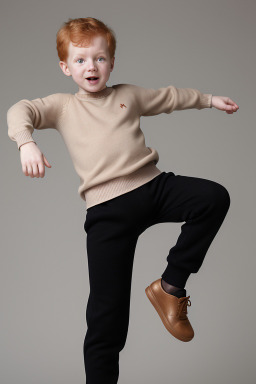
(221, 196)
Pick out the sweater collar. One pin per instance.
(94, 95)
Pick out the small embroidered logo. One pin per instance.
(123, 105)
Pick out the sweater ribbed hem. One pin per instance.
(120, 185)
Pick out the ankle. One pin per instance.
(172, 289)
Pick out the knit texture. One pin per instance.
(101, 131)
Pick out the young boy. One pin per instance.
(125, 192)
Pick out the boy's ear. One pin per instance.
(112, 63)
(64, 68)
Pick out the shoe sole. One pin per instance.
(153, 300)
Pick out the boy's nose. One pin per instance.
(91, 64)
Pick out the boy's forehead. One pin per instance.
(98, 42)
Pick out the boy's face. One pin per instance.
(92, 61)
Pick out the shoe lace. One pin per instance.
(183, 303)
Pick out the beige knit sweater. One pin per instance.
(101, 131)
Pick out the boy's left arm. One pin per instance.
(152, 102)
(224, 103)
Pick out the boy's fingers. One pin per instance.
(41, 169)
(29, 171)
(231, 105)
(46, 162)
(231, 102)
(35, 170)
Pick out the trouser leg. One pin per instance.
(203, 205)
(111, 244)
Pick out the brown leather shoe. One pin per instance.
(172, 311)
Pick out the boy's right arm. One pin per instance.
(25, 116)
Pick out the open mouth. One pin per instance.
(92, 80)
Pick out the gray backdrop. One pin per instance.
(208, 45)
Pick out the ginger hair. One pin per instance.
(80, 32)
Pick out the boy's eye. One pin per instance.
(83, 59)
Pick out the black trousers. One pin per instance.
(113, 228)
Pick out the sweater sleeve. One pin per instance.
(166, 100)
(27, 115)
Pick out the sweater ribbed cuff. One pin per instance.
(206, 101)
(23, 137)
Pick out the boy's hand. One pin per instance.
(224, 104)
(32, 160)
